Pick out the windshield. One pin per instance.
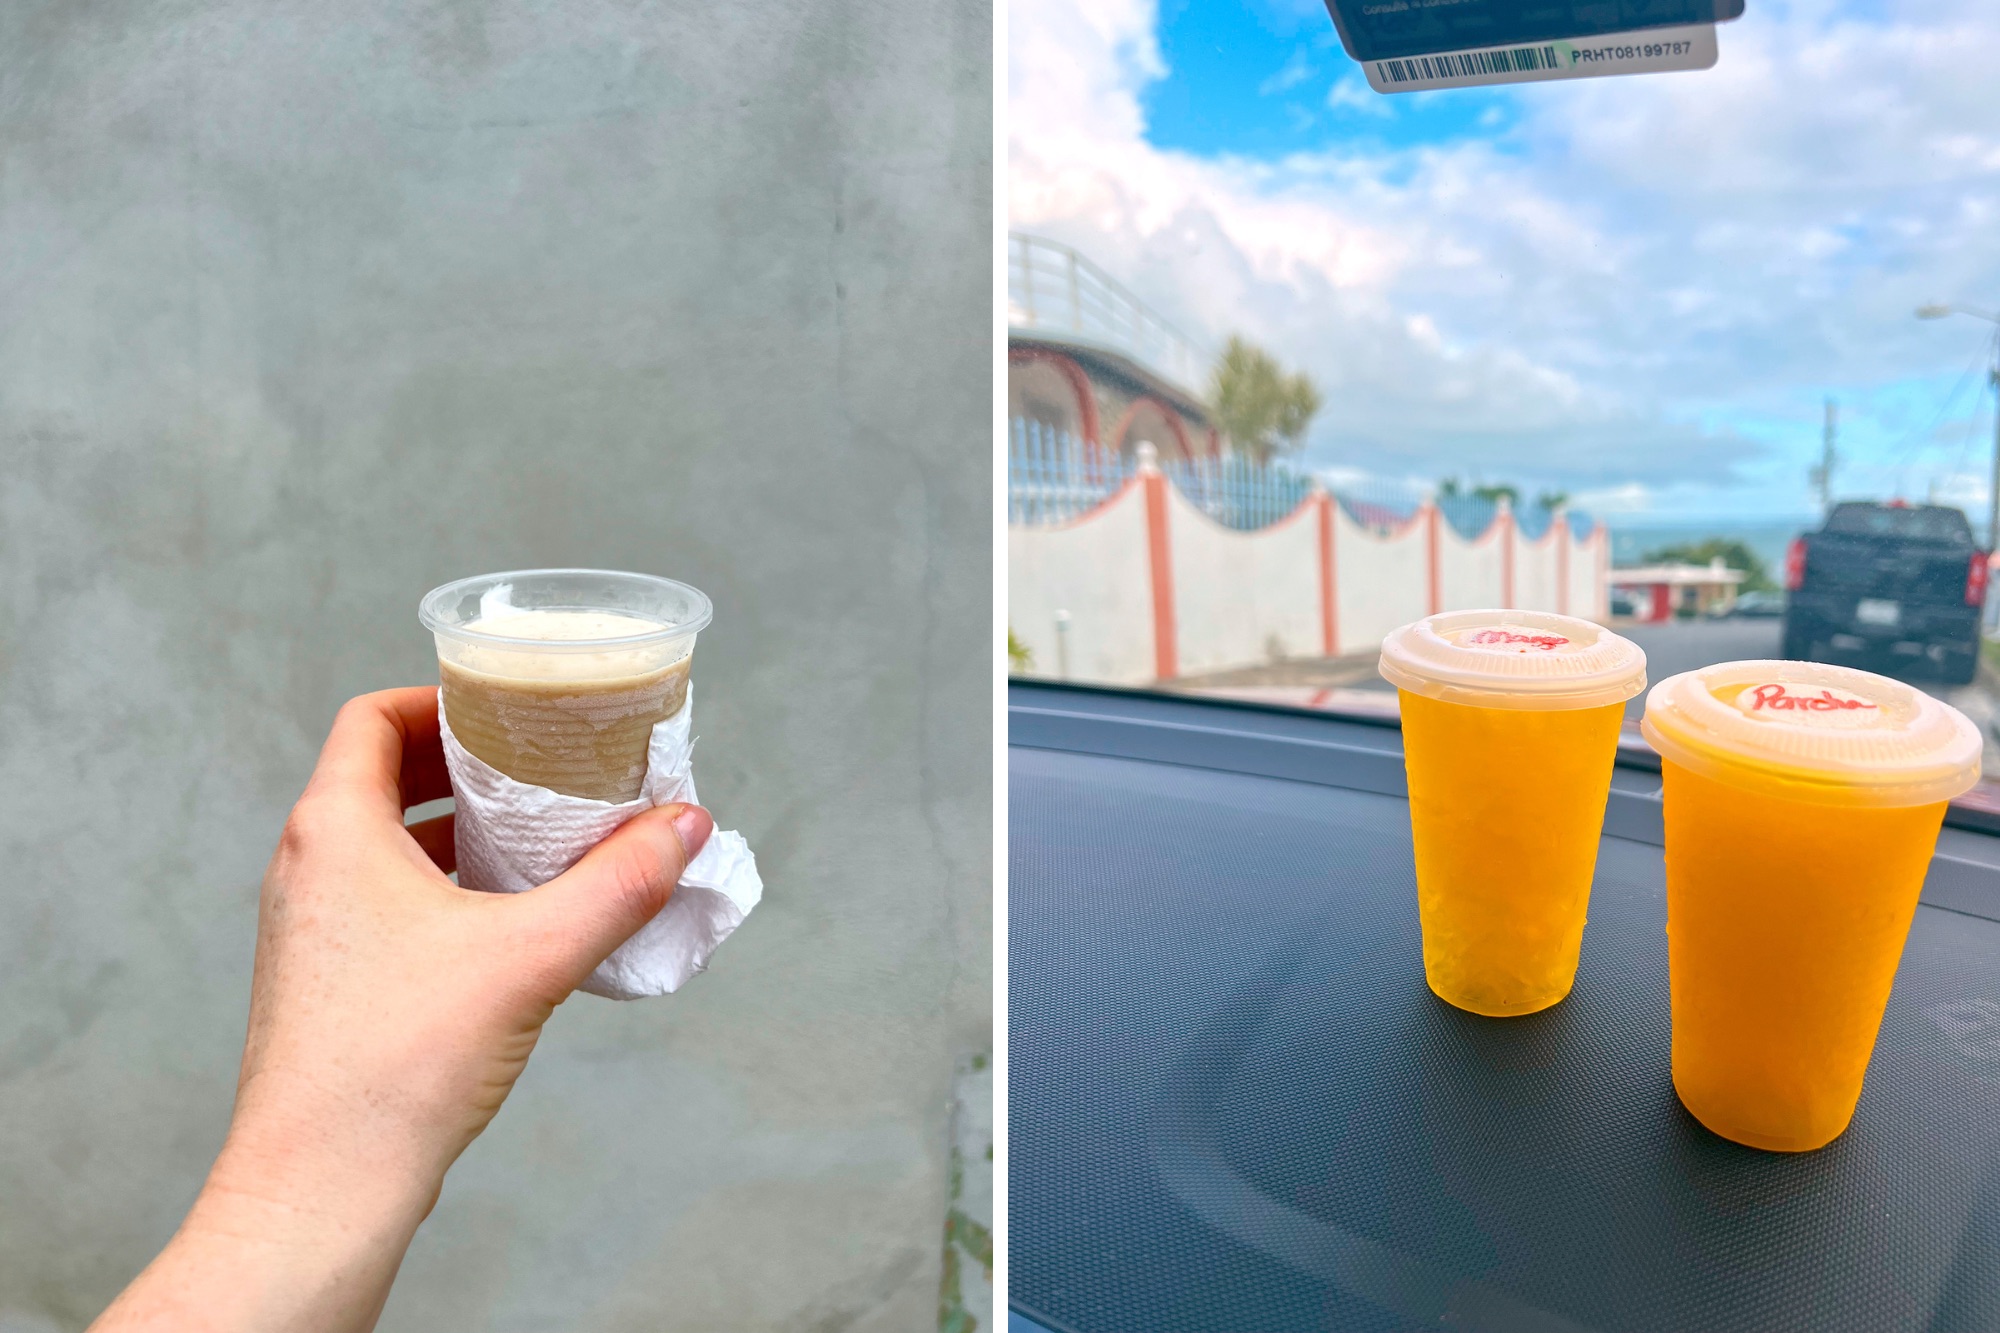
(1293, 361)
(1919, 522)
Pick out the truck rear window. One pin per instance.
(1921, 522)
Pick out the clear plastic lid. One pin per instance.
(1514, 659)
(564, 623)
(1815, 729)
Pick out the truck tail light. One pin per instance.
(1795, 567)
(1975, 580)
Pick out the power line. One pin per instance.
(1903, 447)
(1971, 433)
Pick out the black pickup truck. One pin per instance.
(1887, 581)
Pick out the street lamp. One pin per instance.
(1939, 311)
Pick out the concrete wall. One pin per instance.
(1473, 573)
(1589, 591)
(1096, 570)
(1535, 581)
(1244, 596)
(1383, 581)
(305, 308)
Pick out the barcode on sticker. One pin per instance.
(1468, 64)
(1650, 51)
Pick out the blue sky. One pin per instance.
(1637, 289)
(1256, 80)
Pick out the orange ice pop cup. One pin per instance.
(1510, 731)
(1802, 805)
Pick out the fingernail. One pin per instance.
(693, 825)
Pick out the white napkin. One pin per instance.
(513, 837)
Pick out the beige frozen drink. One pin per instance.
(557, 677)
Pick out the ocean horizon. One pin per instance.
(1634, 537)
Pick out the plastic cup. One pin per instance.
(1802, 805)
(1510, 730)
(556, 677)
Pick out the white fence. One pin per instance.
(1146, 586)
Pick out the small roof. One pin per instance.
(1714, 572)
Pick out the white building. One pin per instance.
(1660, 591)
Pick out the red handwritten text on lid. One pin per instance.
(1774, 698)
(1498, 638)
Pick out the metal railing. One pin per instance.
(1469, 515)
(1054, 290)
(1054, 478)
(1236, 492)
(1381, 507)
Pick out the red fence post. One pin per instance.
(1506, 520)
(1160, 560)
(1434, 589)
(1560, 522)
(1329, 603)
(1600, 536)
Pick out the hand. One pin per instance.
(390, 1013)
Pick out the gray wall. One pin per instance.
(307, 307)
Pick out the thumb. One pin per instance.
(620, 884)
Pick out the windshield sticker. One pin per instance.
(1654, 51)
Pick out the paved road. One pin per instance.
(1670, 649)
(1685, 645)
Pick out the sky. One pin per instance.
(1639, 290)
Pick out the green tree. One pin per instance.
(1451, 488)
(1552, 499)
(1264, 410)
(1735, 555)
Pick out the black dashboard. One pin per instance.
(1234, 1105)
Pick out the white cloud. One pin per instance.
(1293, 73)
(1965, 489)
(1581, 298)
(1629, 498)
(1350, 92)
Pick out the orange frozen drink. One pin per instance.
(1802, 805)
(1510, 729)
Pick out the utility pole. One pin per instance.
(1822, 475)
(1993, 510)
